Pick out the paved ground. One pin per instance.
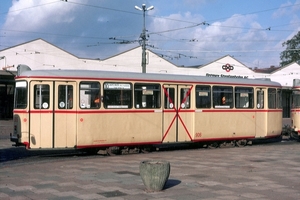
(269, 171)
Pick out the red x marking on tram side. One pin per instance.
(177, 112)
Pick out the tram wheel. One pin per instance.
(294, 135)
(112, 151)
(147, 149)
(241, 143)
(213, 145)
(226, 144)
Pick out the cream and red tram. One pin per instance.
(295, 111)
(95, 109)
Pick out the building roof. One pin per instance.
(36, 40)
(268, 70)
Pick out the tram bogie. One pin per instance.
(132, 112)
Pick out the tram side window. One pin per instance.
(185, 98)
(260, 99)
(147, 95)
(244, 97)
(169, 98)
(222, 97)
(20, 95)
(203, 96)
(279, 98)
(41, 96)
(89, 95)
(271, 98)
(65, 97)
(296, 99)
(117, 95)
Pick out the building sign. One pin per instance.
(226, 76)
(227, 67)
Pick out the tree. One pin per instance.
(292, 51)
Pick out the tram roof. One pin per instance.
(133, 76)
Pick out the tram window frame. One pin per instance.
(90, 95)
(169, 98)
(117, 95)
(222, 96)
(279, 98)
(296, 99)
(260, 99)
(41, 99)
(271, 98)
(203, 96)
(65, 96)
(20, 95)
(147, 95)
(244, 97)
(185, 95)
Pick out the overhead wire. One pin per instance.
(164, 31)
(39, 5)
(159, 32)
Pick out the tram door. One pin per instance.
(65, 114)
(261, 114)
(177, 113)
(41, 114)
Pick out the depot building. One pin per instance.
(40, 54)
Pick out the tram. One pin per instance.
(295, 111)
(82, 109)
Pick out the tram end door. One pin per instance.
(41, 114)
(177, 114)
(186, 115)
(261, 116)
(170, 114)
(65, 115)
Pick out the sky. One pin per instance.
(184, 32)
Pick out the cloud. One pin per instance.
(84, 28)
(36, 14)
(207, 42)
(287, 9)
(78, 26)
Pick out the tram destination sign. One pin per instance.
(117, 86)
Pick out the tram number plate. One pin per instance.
(198, 135)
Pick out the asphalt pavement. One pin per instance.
(262, 171)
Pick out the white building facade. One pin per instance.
(39, 54)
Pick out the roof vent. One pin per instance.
(22, 68)
(296, 82)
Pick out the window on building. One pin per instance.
(147, 95)
(117, 95)
(89, 95)
(271, 98)
(203, 96)
(244, 97)
(41, 96)
(222, 97)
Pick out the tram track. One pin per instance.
(18, 155)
